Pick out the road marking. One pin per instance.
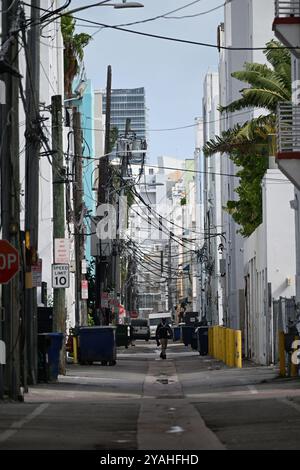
(252, 389)
(15, 427)
(175, 429)
(291, 403)
(90, 378)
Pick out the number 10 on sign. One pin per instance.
(60, 276)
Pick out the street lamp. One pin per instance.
(105, 3)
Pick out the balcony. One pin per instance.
(287, 9)
(288, 141)
(288, 131)
(286, 24)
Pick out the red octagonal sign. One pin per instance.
(9, 261)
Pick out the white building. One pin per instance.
(247, 24)
(213, 238)
(269, 267)
(161, 226)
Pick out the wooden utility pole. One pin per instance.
(101, 269)
(58, 180)
(80, 305)
(170, 283)
(10, 199)
(32, 180)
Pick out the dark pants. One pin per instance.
(164, 344)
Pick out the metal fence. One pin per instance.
(284, 313)
(288, 128)
(285, 9)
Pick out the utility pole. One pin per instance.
(80, 308)
(58, 180)
(170, 303)
(10, 198)
(121, 209)
(32, 156)
(101, 269)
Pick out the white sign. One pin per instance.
(84, 290)
(60, 276)
(37, 274)
(83, 266)
(62, 251)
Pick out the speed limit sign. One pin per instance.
(60, 276)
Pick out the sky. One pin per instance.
(171, 73)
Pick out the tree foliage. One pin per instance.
(74, 45)
(249, 145)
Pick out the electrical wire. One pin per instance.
(184, 41)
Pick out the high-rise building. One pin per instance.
(128, 103)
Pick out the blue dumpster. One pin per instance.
(49, 346)
(97, 344)
(202, 340)
(176, 333)
(187, 334)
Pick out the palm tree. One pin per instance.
(73, 51)
(249, 144)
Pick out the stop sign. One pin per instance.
(9, 261)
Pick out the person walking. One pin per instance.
(163, 333)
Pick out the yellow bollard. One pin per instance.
(238, 349)
(281, 354)
(294, 367)
(218, 342)
(231, 348)
(227, 346)
(215, 342)
(222, 344)
(75, 350)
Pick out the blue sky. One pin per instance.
(171, 73)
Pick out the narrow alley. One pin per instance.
(187, 402)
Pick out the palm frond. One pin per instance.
(272, 82)
(276, 54)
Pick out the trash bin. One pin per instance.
(123, 335)
(194, 340)
(202, 340)
(176, 333)
(187, 333)
(97, 344)
(49, 346)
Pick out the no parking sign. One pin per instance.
(60, 276)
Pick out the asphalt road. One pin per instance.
(185, 402)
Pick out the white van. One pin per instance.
(155, 319)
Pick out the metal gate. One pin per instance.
(284, 313)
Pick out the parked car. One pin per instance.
(140, 329)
